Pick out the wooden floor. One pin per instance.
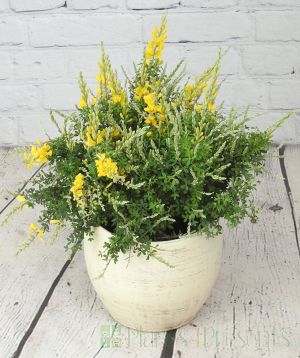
(48, 307)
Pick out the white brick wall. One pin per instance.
(45, 43)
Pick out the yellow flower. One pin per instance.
(198, 108)
(94, 137)
(151, 120)
(141, 91)
(38, 154)
(77, 188)
(150, 102)
(94, 100)
(89, 141)
(82, 103)
(98, 91)
(201, 86)
(106, 167)
(156, 44)
(149, 134)
(54, 222)
(119, 97)
(101, 78)
(211, 107)
(32, 227)
(115, 133)
(40, 233)
(20, 198)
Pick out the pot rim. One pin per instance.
(180, 237)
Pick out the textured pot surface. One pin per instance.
(148, 295)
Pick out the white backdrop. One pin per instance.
(45, 43)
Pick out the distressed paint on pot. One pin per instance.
(148, 295)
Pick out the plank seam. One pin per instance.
(168, 347)
(41, 309)
(21, 189)
(289, 192)
(107, 341)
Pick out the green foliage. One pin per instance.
(157, 159)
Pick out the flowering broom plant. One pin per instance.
(148, 161)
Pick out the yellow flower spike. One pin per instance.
(77, 188)
(54, 222)
(40, 233)
(82, 103)
(94, 100)
(33, 227)
(156, 44)
(20, 198)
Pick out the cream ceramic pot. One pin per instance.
(148, 295)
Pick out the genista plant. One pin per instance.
(148, 161)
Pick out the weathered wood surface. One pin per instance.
(25, 279)
(253, 311)
(80, 326)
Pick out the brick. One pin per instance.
(86, 60)
(199, 27)
(79, 30)
(11, 31)
(34, 5)
(152, 4)
(270, 60)
(280, 2)
(60, 96)
(39, 64)
(278, 26)
(18, 97)
(91, 4)
(5, 66)
(8, 131)
(256, 3)
(285, 94)
(200, 58)
(33, 126)
(3, 6)
(285, 134)
(243, 93)
(209, 3)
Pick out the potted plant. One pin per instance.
(144, 173)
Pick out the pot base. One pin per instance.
(148, 295)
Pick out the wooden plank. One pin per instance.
(291, 162)
(26, 279)
(254, 307)
(75, 324)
